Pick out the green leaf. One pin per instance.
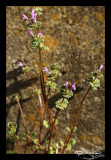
(36, 92)
(54, 72)
(38, 24)
(55, 66)
(61, 103)
(12, 126)
(48, 83)
(16, 99)
(38, 9)
(56, 122)
(46, 48)
(51, 150)
(68, 147)
(38, 147)
(45, 124)
(47, 142)
(35, 141)
(68, 129)
(24, 136)
(72, 141)
(51, 77)
(62, 143)
(26, 69)
(53, 85)
(75, 128)
(17, 137)
(54, 144)
(34, 134)
(12, 139)
(41, 40)
(33, 47)
(39, 13)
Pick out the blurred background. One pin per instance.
(75, 36)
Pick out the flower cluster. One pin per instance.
(24, 69)
(33, 23)
(12, 126)
(52, 75)
(37, 39)
(94, 80)
(66, 90)
(16, 98)
(62, 103)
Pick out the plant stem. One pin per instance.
(22, 116)
(41, 119)
(51, 120)
(75, 120)
(41, 74)
(45, 107)
(28, 141)
(18, 144)
(33, 140)
(36, 144)
(50, 138)
(43, 91)
(50, 117)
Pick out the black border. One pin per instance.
(107, 73)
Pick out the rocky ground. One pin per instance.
(76, 38)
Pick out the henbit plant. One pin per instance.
(34, 139)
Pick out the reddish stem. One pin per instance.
(50, 138)
(22, 116)
(41, 119)
(75, 120)
(17, 144)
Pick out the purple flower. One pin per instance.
(46, 70)
(32, 13)
(100, 68)
(25, 17)
(73, 87)
(66, 84)
(30, 33)
(40, 34)
(21, 65)
(34, 16)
